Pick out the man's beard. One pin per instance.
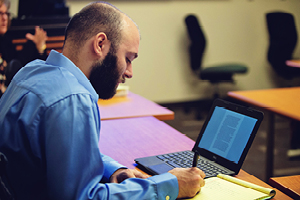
(105, 76)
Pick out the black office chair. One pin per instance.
(282, 42)
(214, 74)
(5, 194)
(11, 69)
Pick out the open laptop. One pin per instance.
(222, 144)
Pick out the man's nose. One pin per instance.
(129, 72)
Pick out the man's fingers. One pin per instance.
(113, 180)
(140, 174)
(122, 174)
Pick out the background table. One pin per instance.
(281, 101)
(290, 185)
(132, 105)
(127, 139)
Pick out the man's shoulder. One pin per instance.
(50, 83)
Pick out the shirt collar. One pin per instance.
(58, 59)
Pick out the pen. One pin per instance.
(195, 160)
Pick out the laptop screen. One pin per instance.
(227, 133)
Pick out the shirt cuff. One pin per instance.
(167, 186)
(110, 168)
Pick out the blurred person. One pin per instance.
(12, 60)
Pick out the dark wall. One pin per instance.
(42, 8)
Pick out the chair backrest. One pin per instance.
(4, 191)
(11, 69)
(282, 41)
(198, 41)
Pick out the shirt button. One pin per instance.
(167, 197)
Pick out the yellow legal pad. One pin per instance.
(227, 187)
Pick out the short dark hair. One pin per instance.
(96, 17)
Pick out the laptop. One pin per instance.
(223, 142)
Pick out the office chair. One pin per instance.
(282, 42)
(4, 191)
(11, 69)
(214, 74)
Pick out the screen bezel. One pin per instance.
(248, 111)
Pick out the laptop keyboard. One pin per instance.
(184, 159)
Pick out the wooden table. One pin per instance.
(127, 139)
(130, 106)
(290, 185)
(293, 63)
(281, 101)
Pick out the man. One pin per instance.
(50, 122)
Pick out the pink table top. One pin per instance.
(127, 139)
(130, 106)
(293, 63)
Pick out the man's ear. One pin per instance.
(101, 44)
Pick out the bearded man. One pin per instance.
(50, 120)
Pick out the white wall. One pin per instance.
(235, 29)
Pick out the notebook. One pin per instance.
(223, 142)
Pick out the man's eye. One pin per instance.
(128, 61)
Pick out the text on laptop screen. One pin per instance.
(227, 133)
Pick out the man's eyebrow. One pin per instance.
(131, 55)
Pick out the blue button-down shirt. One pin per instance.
(49, 132)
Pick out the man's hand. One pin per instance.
(39, 38)
(190, 181)
(122, 174)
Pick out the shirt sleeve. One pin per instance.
(111, 166)
(75, 166)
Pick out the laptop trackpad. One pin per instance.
(160, 168)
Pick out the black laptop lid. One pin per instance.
(228, 133)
